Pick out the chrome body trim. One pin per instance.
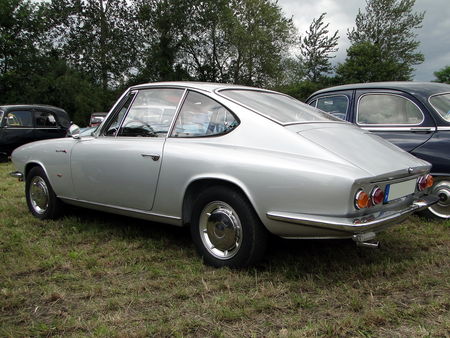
(441, 128)
(354, 225)
(150, 216)
(399, 128)
(386, 124)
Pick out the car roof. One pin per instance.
(9, 107)
(423, 88)
(204, 86)
(62, 115)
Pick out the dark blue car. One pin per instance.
(413, 115)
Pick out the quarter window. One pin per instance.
(334, 105)
(151, 113)
(202, 116)
(388, 109)
(113, 125)
(18, 119)
(441, 103)
(45, 120)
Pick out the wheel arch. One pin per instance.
(197, 185)
(31, 165)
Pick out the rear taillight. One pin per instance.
(377, 196)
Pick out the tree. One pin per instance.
(21, 34)
(97, 38)
(315, 49)
(366, 62)
(239, 41)
(443, 75)
(389, 26)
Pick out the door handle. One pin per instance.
(155, 157)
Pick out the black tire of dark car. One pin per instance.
(226, 229)
(41, 199)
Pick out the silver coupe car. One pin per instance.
(234, 163)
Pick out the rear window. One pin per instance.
(281, 108)
(441, 103)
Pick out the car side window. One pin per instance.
(388, 109)
(334, 105)
(203, 116)
(45, 120)
(113, 124)
(151, 113)
(19, 119)
(313, 103)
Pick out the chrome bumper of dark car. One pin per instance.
(354, 225)
(17, 174)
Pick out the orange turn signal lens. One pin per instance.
(361, 200)
(429, 181)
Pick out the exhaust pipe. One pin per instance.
(364, 240)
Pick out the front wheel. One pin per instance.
(226, 229)
(41, 199)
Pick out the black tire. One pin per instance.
(41, 199)
(226, 229)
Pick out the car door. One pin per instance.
(395, 116)
(120, 167)
(17, 129)
(46, 125)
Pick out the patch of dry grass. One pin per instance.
(102, 275)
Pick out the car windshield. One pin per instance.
(281, 108)
(441, 103)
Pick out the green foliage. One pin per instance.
(366, 62)
(315, 49)
(386, 32)
(443, 75)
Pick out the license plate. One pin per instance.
(398, 190)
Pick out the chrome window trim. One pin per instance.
(218, 92)
(236, 117)
(406, 128)
(387, 124)
(136, 92)
(429, 101)
(324, 97)
(104, 123)
(177, 112)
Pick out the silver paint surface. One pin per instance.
(311, 169)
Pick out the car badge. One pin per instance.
(410, 170)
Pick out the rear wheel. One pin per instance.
(41, 199)
(226, 229)
(440, 210)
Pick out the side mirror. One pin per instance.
(74, 131)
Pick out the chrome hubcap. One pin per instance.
(39, 195)
(220, 230)
(441, 208)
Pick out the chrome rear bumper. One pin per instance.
(374, 222)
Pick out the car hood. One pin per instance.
(361, 148)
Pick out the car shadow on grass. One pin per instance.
(336, 260)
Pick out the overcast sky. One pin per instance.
(434, 36)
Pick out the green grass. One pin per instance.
(95, 274)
